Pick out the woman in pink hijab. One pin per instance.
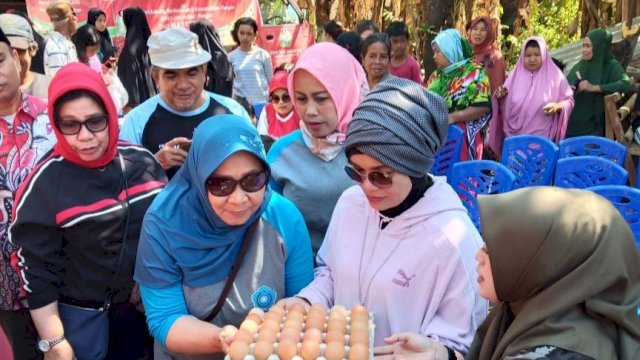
(536, 98)
(307, 165)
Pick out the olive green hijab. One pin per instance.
(587, 117)
(567, 272)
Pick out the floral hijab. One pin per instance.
(462, 84)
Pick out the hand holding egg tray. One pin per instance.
(296, 334)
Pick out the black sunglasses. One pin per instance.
(379, 179)
(224, 186)
(94, 125)
(276, 99)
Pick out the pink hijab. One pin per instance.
(345, 80)
(520, 112)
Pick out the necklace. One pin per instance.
(363, 299)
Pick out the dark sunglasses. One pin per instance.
(94, 125)
(379, 179)
(224, 186)
(276, 99)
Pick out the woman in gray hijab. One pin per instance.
(400, 242)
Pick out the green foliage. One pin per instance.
(549, 19)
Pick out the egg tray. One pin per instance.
(323, 345)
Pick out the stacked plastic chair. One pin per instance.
(593, 146)
(472, 178)
(627, 200)
(587, 171)
(258, 107)
(531, 158)
(449, 153)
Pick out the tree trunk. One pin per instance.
(629, 33)
(438, 16)
(521, 17)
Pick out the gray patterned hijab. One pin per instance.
(400, 124)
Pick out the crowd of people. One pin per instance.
(195, 209)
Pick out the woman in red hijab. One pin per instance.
(482, 35)
(77, 223)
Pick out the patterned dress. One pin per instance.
(468, 85)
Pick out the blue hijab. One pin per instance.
(452, 46)
(183, 241)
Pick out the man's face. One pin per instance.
(24, 57)
(181, 89)
(9, 74)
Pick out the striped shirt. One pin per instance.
(253, 72)
(58, 52)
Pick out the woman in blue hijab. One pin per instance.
(194, 231)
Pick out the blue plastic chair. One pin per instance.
(531, 158)
(593, 146)
(587, 171)
(449, 153)
(257, 107)
(471, 178)
(627, 200)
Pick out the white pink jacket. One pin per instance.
(420, 267)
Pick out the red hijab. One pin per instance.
(488, 54)
(77, 76)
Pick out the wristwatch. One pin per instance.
(46, 345)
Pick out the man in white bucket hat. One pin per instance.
(164, 123)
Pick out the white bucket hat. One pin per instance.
(176, 48)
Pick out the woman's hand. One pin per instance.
(501, 92)
(410, 346)
(586, 86)
(226, 337)
(552, 108)
(288, 302)
(61, 351)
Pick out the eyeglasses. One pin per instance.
(94, 125)
(379, 179)
(224, 186)
(276, 99)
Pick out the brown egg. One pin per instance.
(359, 337)
(238, 350)
(338, 325)
(338, 309)
(268, 336)
(310, 350)
(277, 309)
(255, 317)
(257, 311)
(250, 326)
(294, 324)
(320, 308)
(359, 352)
(287, 349)
(295, 316)
(334, 336)
(335, 351)
(272, 316)
(244, 336)
(292, 334)
(262, 350)
(314, 322)
(359, 325)
(359, 310)
(312, 335)
(299, 308)
(271, 324)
